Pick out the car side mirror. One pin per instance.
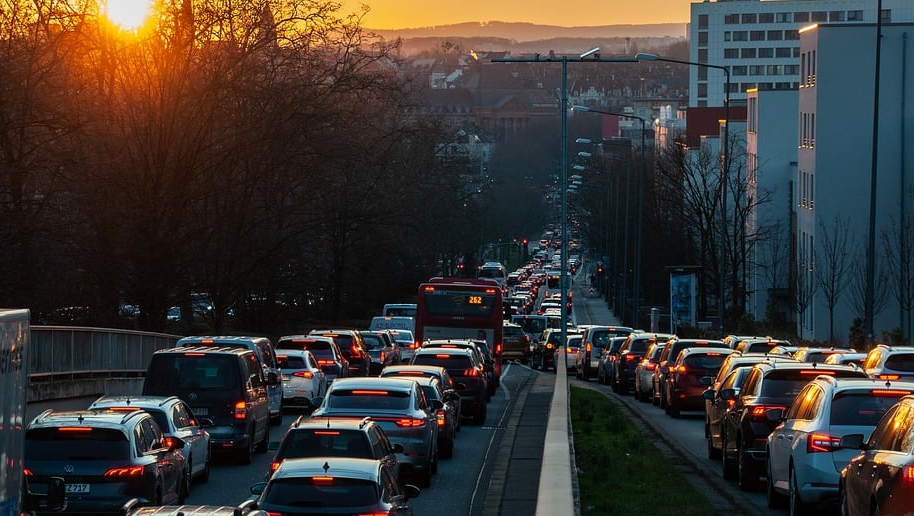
(727, 394)
(397, 448)
(258, 488)
(410, 491)
(853, 442)
(706, 380)
(709, 394)
(205, 422)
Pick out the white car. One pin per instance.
(302, 378)
(805, 456)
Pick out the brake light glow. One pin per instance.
(816, 372)
(889, 376)
(74, 429)
(241, 410)
(410, 373)
(630, 358)
(757, 413)
(194, 354)
(441, 416)
(907, 477)
(889, 393)
(650, 366)
(822, 443)
(326, 432)
(681, 369)
(27, 472)
(274, 465)
(207, 342)
(169, 442)
(303, 374)
(131, 471)
(409, 422)
(325, 362)
(383, 356)
(322, 480)
(471, 372)
(587, 348)
(365, 392)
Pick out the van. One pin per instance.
(225, 384)
(265, 351)
(399, 310)
(392, 323)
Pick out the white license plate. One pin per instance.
(78, 488)
(201, 411)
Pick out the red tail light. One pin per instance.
(273, 465)
(409, 422)
(303, 374)
(630, 358)
(325, 362)
(681, 369)
(441, 415)
(471, 372)
(822, 443)
(132, 471)
(906, 476)
(650, 366)
(169, 442)
(27, 472)
(241, 410)
(587, 348)
(757, 413)
(355, 352)
(383, 356)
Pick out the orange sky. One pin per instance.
(404, 14)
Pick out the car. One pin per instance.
(763, 345)
(325, 349)
(407, 342)
(176, 419)
(689, 376)
(572, 348)
(246, 508)
(515, 343)
(608, 357)
(593, 341)
(493, 361)
(878, 480)
(337, 437)
(415, 370)
(448, 415)
(224, 384)
(263, 347)
(645, 370)
(890, 362)
(745, 425)
(317, 486)
(668, 358)
(820, 355)
(543, 356)
(106, 458)
(466, 369)
(303, 380)
(805, 457)
(535, 325)
(482, 355)
(631, 351)
(355, 351)
(382, 348)
(856, 358)
(401, 408)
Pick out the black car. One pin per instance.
(465, 368)
(355, 351)
(628, 357)
(448, 416)
(745, 425)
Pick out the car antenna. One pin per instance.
(326, 467)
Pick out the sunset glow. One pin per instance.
(128, 14)
(402, 14)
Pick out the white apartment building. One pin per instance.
(758, 41)
(834, 142)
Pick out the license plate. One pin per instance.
(78, 488)
(201, 411)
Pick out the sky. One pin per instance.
(406, 14)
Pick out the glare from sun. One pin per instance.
(128, 14)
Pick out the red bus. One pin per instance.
(455, 308)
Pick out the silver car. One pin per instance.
(400, 407)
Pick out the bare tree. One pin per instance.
(833, 265)
(774, 261)
(857, 284)
(899, 251)
(805, 292)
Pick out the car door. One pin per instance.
(196, 440)
(863, 471)
(169, 463)
(792, 432)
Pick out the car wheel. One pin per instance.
(842, 501)
(774, 499)
(204, 475)
(672, 409)
(797, 506)
(265, 442)
(746, 477)
(246, 454)
(184, 488)
(729, 467)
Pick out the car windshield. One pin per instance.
(324, 492)
(77, 444)
(324, 442)
(368, 399)
(640, 345)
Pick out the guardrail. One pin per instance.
(69, 361)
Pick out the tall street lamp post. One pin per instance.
(639, 207)
(724, 175)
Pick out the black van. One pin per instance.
(224, 384)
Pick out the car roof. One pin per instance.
(205, 349)
(140, 401)
(845, 383)
(372, 382)
(195, 510)
(102, 418)
(222, 338)
(331, 422)
(414, 367)
(345, 467)
(442, 351)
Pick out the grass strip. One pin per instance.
(620, 470)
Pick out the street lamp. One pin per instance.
(636, 268)
(724, 173)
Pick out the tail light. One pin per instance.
(169, 442)
(906, 476)
(128, 472)
(409, 422)
(274, 465)
(27, 472)
(631, 358)
(822, 443)
(303, 374)
(325, 362)
(355, 352)
(681, 369)
(241, 410)
(441, 416)
(650, 366)
(383, 356)
(757, 413)
(471, 372)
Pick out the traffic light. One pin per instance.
(600, 270)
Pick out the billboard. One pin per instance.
(683, 288)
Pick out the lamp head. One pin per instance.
(584, 154)
(641, 56)
(580, 108)
(595, 52)
(585, 141)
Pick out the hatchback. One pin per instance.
(629, 356)
(820, 355)
(176, 419)
(327, 352)
(333, 486)
(448, 415)
(805, 457)
(668, 358)
(106, 458)
(382, 348)
(594, 341)
(400, 407)
(890, 362)
(303, 380)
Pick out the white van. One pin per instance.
(392, 323)
(399, 310)
(493, 271)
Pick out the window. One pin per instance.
(766, 17)
(731, 19)
(792, 35)
(796, 51)
(886, 15)
(702, 90)
(757, 35)
(703, 38)
(855, 15)
(747, 53)
(791, 70)
(740, 35)
(702, 21)
(703, 73)
(774, 70)
(836, 16)
(757, 70)
(731, 53)
(702, 55)
(728, 36)
(765, 52)
(748, 18)
(739, 70)
(783, 52)
(775, 35)
(800, 17)
(819, 16)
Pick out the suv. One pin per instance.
(668, 358)
(805, 457)
(327, 352)
(890, 362)
(594, 340)
(689, 376)
(628, 357)
(402, 410)
(355, 351)
(746, 424)
(382, 348)
(515, 343)
(543, 356)
(265, 352)
(226, 385)
(761, 345)
(106, 458)
(176, 419)
(465, 369)
(337, 437)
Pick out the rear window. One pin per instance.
(186, 371)
(373, 341)
(900, 362)
(77, 444)
(789, 382)
(640, 345)
(513, 330)
(324, 493)
(291, 362)
(303, 344)
(863, 408)
(449, 362)
(705, 361)
(678, 347)
(325, 443)
(368, 399)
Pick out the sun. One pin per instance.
(128, 14)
